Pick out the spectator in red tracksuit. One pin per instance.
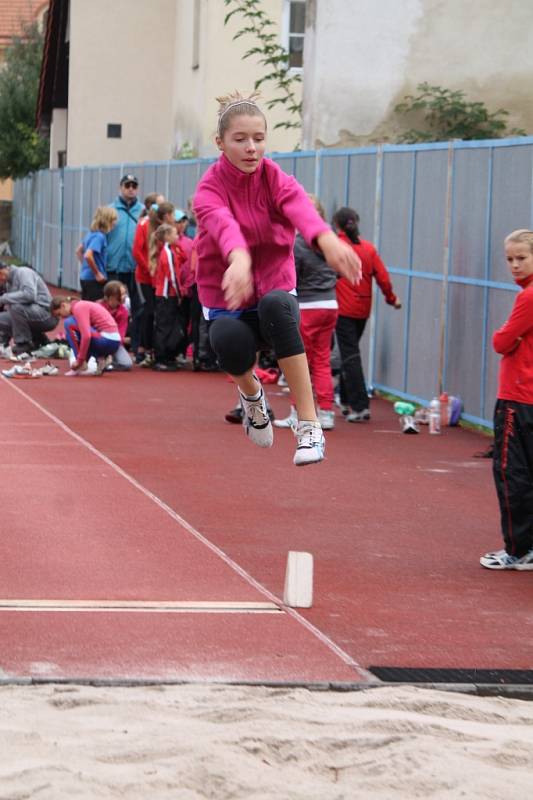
(513, 415)
(355, 303)
(159, 212)
(168, 329)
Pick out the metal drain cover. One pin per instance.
(443, 675)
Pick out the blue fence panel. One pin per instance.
(438, 214)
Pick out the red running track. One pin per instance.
(160, 500)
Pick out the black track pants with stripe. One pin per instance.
(513, 473)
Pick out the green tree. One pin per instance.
(273, 57)
(447, 114)
(22, 148)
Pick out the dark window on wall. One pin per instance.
(296, 33)
(114, 131)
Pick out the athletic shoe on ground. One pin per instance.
(147, 361)
(358, 416)
(49, 369)
(235, 415)
(5, 351)
(288, 422)
(326, 419)
(500, 559)
(16, 370)
(310, 443)
(256, 420)
(282, 380)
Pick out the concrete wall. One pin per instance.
(361, 58)
(220, 70)
(122, 71)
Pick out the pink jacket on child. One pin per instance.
(258, 212)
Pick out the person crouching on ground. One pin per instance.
(25, 305)
(168, 329)
(513, 415)
(115, 294)
(90, 331)
(247, 210)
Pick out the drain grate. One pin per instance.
(438, 675)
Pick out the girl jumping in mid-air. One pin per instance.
(247, 210)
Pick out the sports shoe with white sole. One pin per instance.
(310, 443)
(287, 422)
(326, 419)
(500, 559)
(256, 421)
(358, 416)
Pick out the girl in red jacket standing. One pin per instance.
(355, 303)
(247, 210)
(513, 415)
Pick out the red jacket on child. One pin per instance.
(140, 251)
(356, 301)
(167, 272)
(514, 340)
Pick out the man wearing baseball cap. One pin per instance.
(120, 263)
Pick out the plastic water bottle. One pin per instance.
(444, 409)
(434, 416)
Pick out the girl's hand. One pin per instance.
(76, 365)
(100, 277)
(340, 256)
(398, 303)
(237, 283)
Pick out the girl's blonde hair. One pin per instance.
(55, 305)
(162, 232)
(234, 105)
(156, 219)
(104, 218)
(114, 289)
(521, 236)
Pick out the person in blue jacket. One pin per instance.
(120, 262)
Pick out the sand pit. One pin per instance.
(191, 742)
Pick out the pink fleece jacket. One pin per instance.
(93, 320)
(258, 212)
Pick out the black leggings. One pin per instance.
(275, 324)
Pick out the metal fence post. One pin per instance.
(372, 344)
(445, 269)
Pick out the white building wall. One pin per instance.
(220, 69)
(363, 56)
(122, 70)
(58, 135)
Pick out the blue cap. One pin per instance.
(179, 214)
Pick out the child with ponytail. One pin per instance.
(248, 211)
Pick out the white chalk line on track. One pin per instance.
(318, 634)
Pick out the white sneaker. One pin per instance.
(358, 416)
(288, 422)
(311, 444)
(326, 419)
(256, 421)
(49, 369)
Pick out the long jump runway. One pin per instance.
(143, 538)
(102, 580)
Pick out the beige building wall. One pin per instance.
(208, 64)
(155, 68)
(357, 71)
(122, 71)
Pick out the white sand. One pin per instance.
(189, 742)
